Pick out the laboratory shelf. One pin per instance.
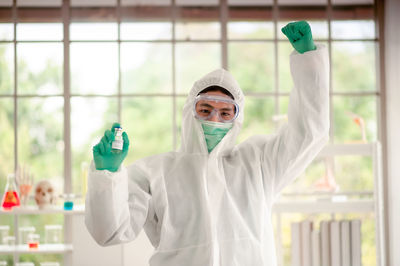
(312, 206)
(42, 249)
(78, 209)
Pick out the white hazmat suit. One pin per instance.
(201, 209)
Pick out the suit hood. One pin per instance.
(192, 137)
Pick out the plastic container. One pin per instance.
(53, 234)
(24, 232)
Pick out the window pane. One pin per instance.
(353, 66)
(283, 107)
(95, 3)
(146, 68)
(39, 31)
(180, 102)
(39, 3)
(258, 114)
(40, 68)
(197, 2)
(319, 29)
(339, 174)
(353, 29)
(6, 139)
(90, 117)
(198, 31)
(93, 31)
(146, 31)
(6, 68)
(352, 2)
(94, 68)
(249, 2)
(285, 77)
(7, 258)
(355, 119)
(40, 138)
(193, 61)
(252, 64)
(303, 2)
(148, 123)
(38, 258)
(145, 2)
(250, 30)
(7, 3)
(6, 31)
(354, 173)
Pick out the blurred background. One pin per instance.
(69, 69)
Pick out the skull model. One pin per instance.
(44, 194)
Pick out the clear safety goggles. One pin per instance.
(206, 106)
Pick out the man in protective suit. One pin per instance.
(210, 203)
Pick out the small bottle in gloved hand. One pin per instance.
(118, 143)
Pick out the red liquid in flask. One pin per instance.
(10, 199)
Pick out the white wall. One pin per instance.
(392, 57)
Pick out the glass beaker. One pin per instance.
(4, 231)
(33, 241)
(9, 240)
(68, 201)
(10, 198)
(24, 233)
(53, 233)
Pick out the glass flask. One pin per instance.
(10, 198)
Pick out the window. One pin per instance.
(136, 62)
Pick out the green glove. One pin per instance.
(106, 158)
(300, 36)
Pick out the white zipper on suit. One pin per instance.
(214, 191)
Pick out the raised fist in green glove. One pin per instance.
(299, 35)
(106, 158)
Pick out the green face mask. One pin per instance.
(214, 132)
